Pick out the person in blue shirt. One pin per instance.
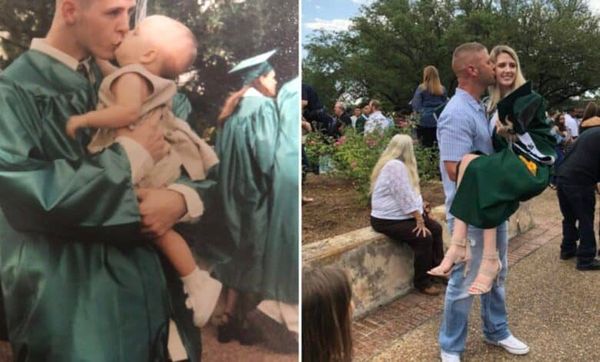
(429, 95)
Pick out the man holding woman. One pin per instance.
(464, 128)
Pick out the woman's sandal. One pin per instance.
(453, 257)
(479, 288)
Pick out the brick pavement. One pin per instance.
(382, 327)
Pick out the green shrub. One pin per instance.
(355, 155)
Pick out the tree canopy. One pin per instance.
(388, 45)
(227, 30)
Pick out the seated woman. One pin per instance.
(398, 212)
(490, 187)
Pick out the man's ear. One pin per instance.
(69, 10)
(149, 56)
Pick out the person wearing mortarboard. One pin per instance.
(246, 146)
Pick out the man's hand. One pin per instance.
(160, 210)
(150, 135)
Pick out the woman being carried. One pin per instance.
(524, 158)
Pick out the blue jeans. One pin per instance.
(457, 304)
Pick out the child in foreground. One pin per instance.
(326, 315)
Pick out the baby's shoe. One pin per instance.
(203, 293)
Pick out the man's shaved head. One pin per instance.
(464, 55)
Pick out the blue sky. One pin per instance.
(328, 14)
(336, 14)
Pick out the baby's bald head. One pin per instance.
(175, 42)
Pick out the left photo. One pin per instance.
(149, 172)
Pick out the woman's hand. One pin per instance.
(421, 229)
(506, 130)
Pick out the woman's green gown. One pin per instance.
(493, 185)
(247, 148)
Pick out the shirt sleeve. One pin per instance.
(396, 176)
(455, 136)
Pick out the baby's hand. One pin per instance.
(74, 123)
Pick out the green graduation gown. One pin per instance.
(246, 149)
(493, 185)
(281, 271)
(78, 281)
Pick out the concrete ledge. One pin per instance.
(381, 269)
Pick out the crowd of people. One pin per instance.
(494, 152)
(107, 195)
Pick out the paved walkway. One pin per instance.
(551, 306)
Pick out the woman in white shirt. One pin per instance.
(398, 212)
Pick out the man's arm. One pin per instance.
(452, 169)
(47, 188)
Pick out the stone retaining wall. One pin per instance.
(380, 269)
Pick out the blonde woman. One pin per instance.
(398, 210)
(491, 186)
(429, 95)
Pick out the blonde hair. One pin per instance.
(399, 148)
(495, 95)
(431, 81)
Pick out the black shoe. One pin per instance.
(275, 335)
(567, 255)
(594, 265)
(249, 336)
(228, 331)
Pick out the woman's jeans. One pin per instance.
(457, 303)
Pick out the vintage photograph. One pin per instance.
(149, 180)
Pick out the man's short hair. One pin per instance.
(461, 51)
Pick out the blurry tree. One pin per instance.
(391, 41)
(227, 30)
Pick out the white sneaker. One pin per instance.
(448, 357)
(512, 345)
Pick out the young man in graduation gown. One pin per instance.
(80, 279)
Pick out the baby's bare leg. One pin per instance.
(202, 290)
(177, 251)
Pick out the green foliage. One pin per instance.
(227, 31)
(389, 44)
(355, 155)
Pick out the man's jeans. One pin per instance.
(457, 304)
(577, 204)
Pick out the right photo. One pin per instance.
(450, 171)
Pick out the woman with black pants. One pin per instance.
(398, 211)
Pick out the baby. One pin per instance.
(157, 50)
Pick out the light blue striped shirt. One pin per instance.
(462, 128)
